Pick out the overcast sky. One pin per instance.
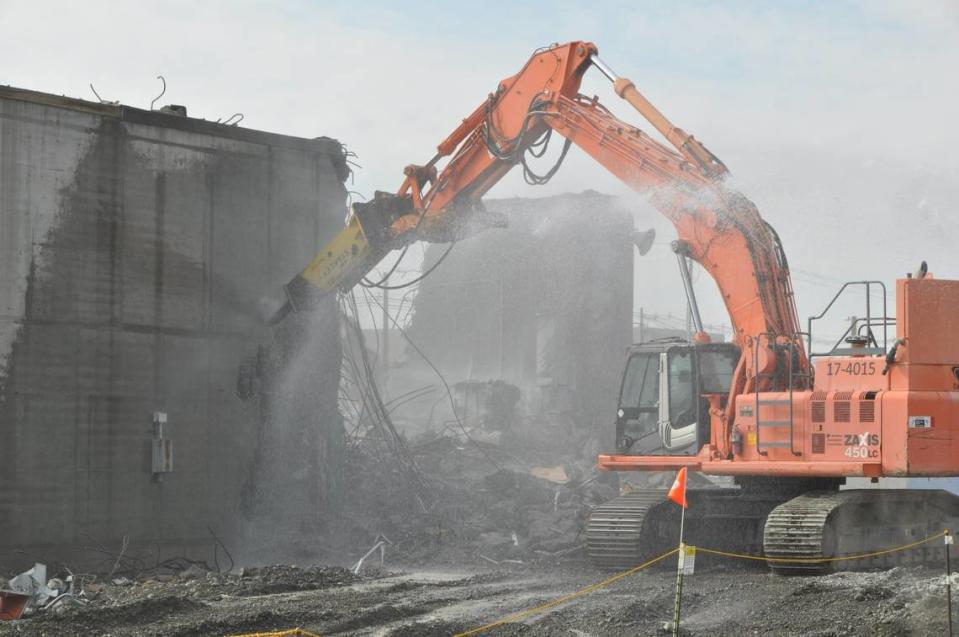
(835, 117)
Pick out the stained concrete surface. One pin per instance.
(139, 254)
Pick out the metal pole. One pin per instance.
(603, 67)
(679, 576)
(948, 541)
(502, 326)
(386, 331)
(692, 306)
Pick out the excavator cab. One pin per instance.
(663, 409)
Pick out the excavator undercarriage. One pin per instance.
(821, 523)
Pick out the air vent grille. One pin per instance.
(819, 443)
(818, 411)
(841, 411)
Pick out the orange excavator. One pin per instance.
(788, 423)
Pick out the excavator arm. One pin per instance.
(717, 227)
(444, 205)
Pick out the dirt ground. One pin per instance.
(434, 600)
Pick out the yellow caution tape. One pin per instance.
(565, 598)
(292, 632)
(823, 560)
(615, 578)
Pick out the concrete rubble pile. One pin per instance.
(502, 387)
(488, 505)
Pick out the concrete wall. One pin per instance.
(139, 253)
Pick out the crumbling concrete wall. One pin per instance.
(293, 490)
(139, 254)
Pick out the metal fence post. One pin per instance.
(679, 594)
(947, 540)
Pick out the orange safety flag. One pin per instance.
(677, 492)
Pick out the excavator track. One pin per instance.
(818, 524)
(615, 529)
(828, 524)
(640, 525)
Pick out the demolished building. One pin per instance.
(139, 254)
(544, 305)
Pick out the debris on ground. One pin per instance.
(441, 602)
(31, 590)
(34, 584)
(488, 505)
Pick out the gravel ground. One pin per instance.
(443, 601)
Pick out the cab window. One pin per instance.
(641, 384)
(716, 369)
(681, 402)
